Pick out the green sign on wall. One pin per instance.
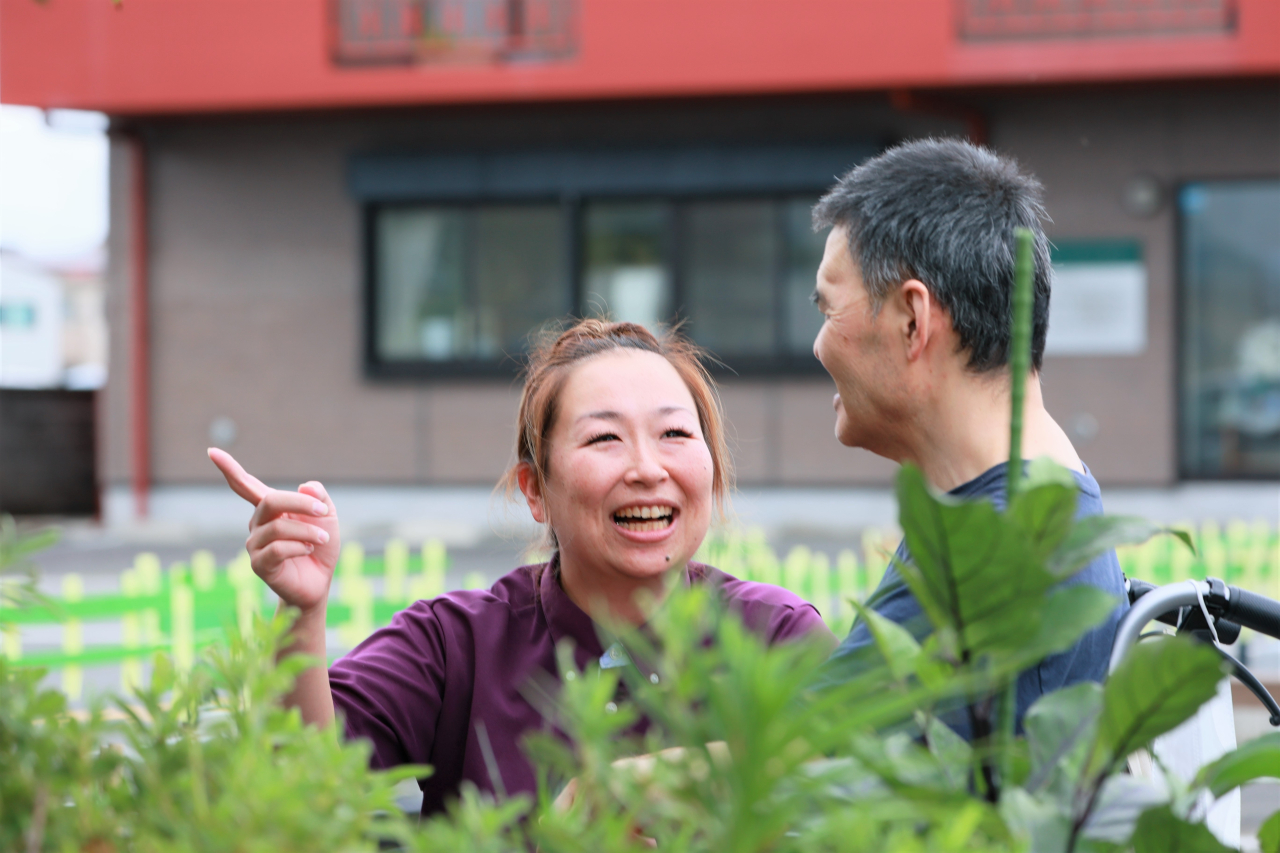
(1099, 300)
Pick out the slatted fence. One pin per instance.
(191, 604)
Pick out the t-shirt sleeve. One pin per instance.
(857, 652)
(389, 688)
(792, 623)
(772, 613)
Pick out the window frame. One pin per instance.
(377, 182)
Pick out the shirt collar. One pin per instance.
(566, 620)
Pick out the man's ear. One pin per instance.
(924, 317)
(528, 482)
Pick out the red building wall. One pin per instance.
(166, 56)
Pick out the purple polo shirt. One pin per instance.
(419, 688)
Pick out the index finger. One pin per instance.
(241, 481)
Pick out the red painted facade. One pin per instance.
(168, 56)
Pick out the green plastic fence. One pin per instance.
(192, 604)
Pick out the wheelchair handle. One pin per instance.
(1228, 602)
(1151, 605)
(1253, 611)
(1228, 606)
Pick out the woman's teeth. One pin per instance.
(641, 519)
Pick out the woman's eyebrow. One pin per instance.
(605, 415)
(610, 415)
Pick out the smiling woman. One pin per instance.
(617, 427)
(620, 454)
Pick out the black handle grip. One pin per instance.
(1138, 588)
(1254, 611)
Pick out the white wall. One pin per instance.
(30, 326)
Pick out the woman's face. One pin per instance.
(628, 489)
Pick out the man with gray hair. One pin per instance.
(915, 287)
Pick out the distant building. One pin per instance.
(52, 323)
(53, 352)
(356, 211)
(30, 325)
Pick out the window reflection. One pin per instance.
(467, 284)
(731, 266)
(521, 279)
(1230, 400)
(626, 273)
(420, 287)
(804, 255)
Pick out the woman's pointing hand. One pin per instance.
(293, 536)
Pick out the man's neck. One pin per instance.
(966, 432)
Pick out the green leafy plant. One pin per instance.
(744, 755)
(17, 573)
(709, 742)
(209, 761)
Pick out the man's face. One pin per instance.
(855, 345)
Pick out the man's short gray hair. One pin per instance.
(943, 212)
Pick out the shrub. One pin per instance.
(756, 758)
(210, 761)
(744, 753)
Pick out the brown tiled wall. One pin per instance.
(256, 277)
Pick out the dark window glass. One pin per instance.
(421, 287)
(801, 317)
(1230, 337)
(627, 271)
(521, 279)
(731, 267)
(466, 284)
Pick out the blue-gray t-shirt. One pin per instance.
(1085, 661)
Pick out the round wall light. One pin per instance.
(222, 432)
(1143, 195)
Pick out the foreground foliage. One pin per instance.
(756, 757)
(747, 749)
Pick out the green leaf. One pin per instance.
(1269, 835)
(15, 547)
(1159, 830)
(1182, 536)
(932, 671)
(1094, 535)
(952, 751)
(1046, 513)
(401, 772)
(1043, 825)
(973, 570)
(1043, 471)
(1257, 759)
(1159, 684)
(48, 704)
(895, 643)
(1072, 612)
(1060, 726)
(162, 674)
(1122, 800)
